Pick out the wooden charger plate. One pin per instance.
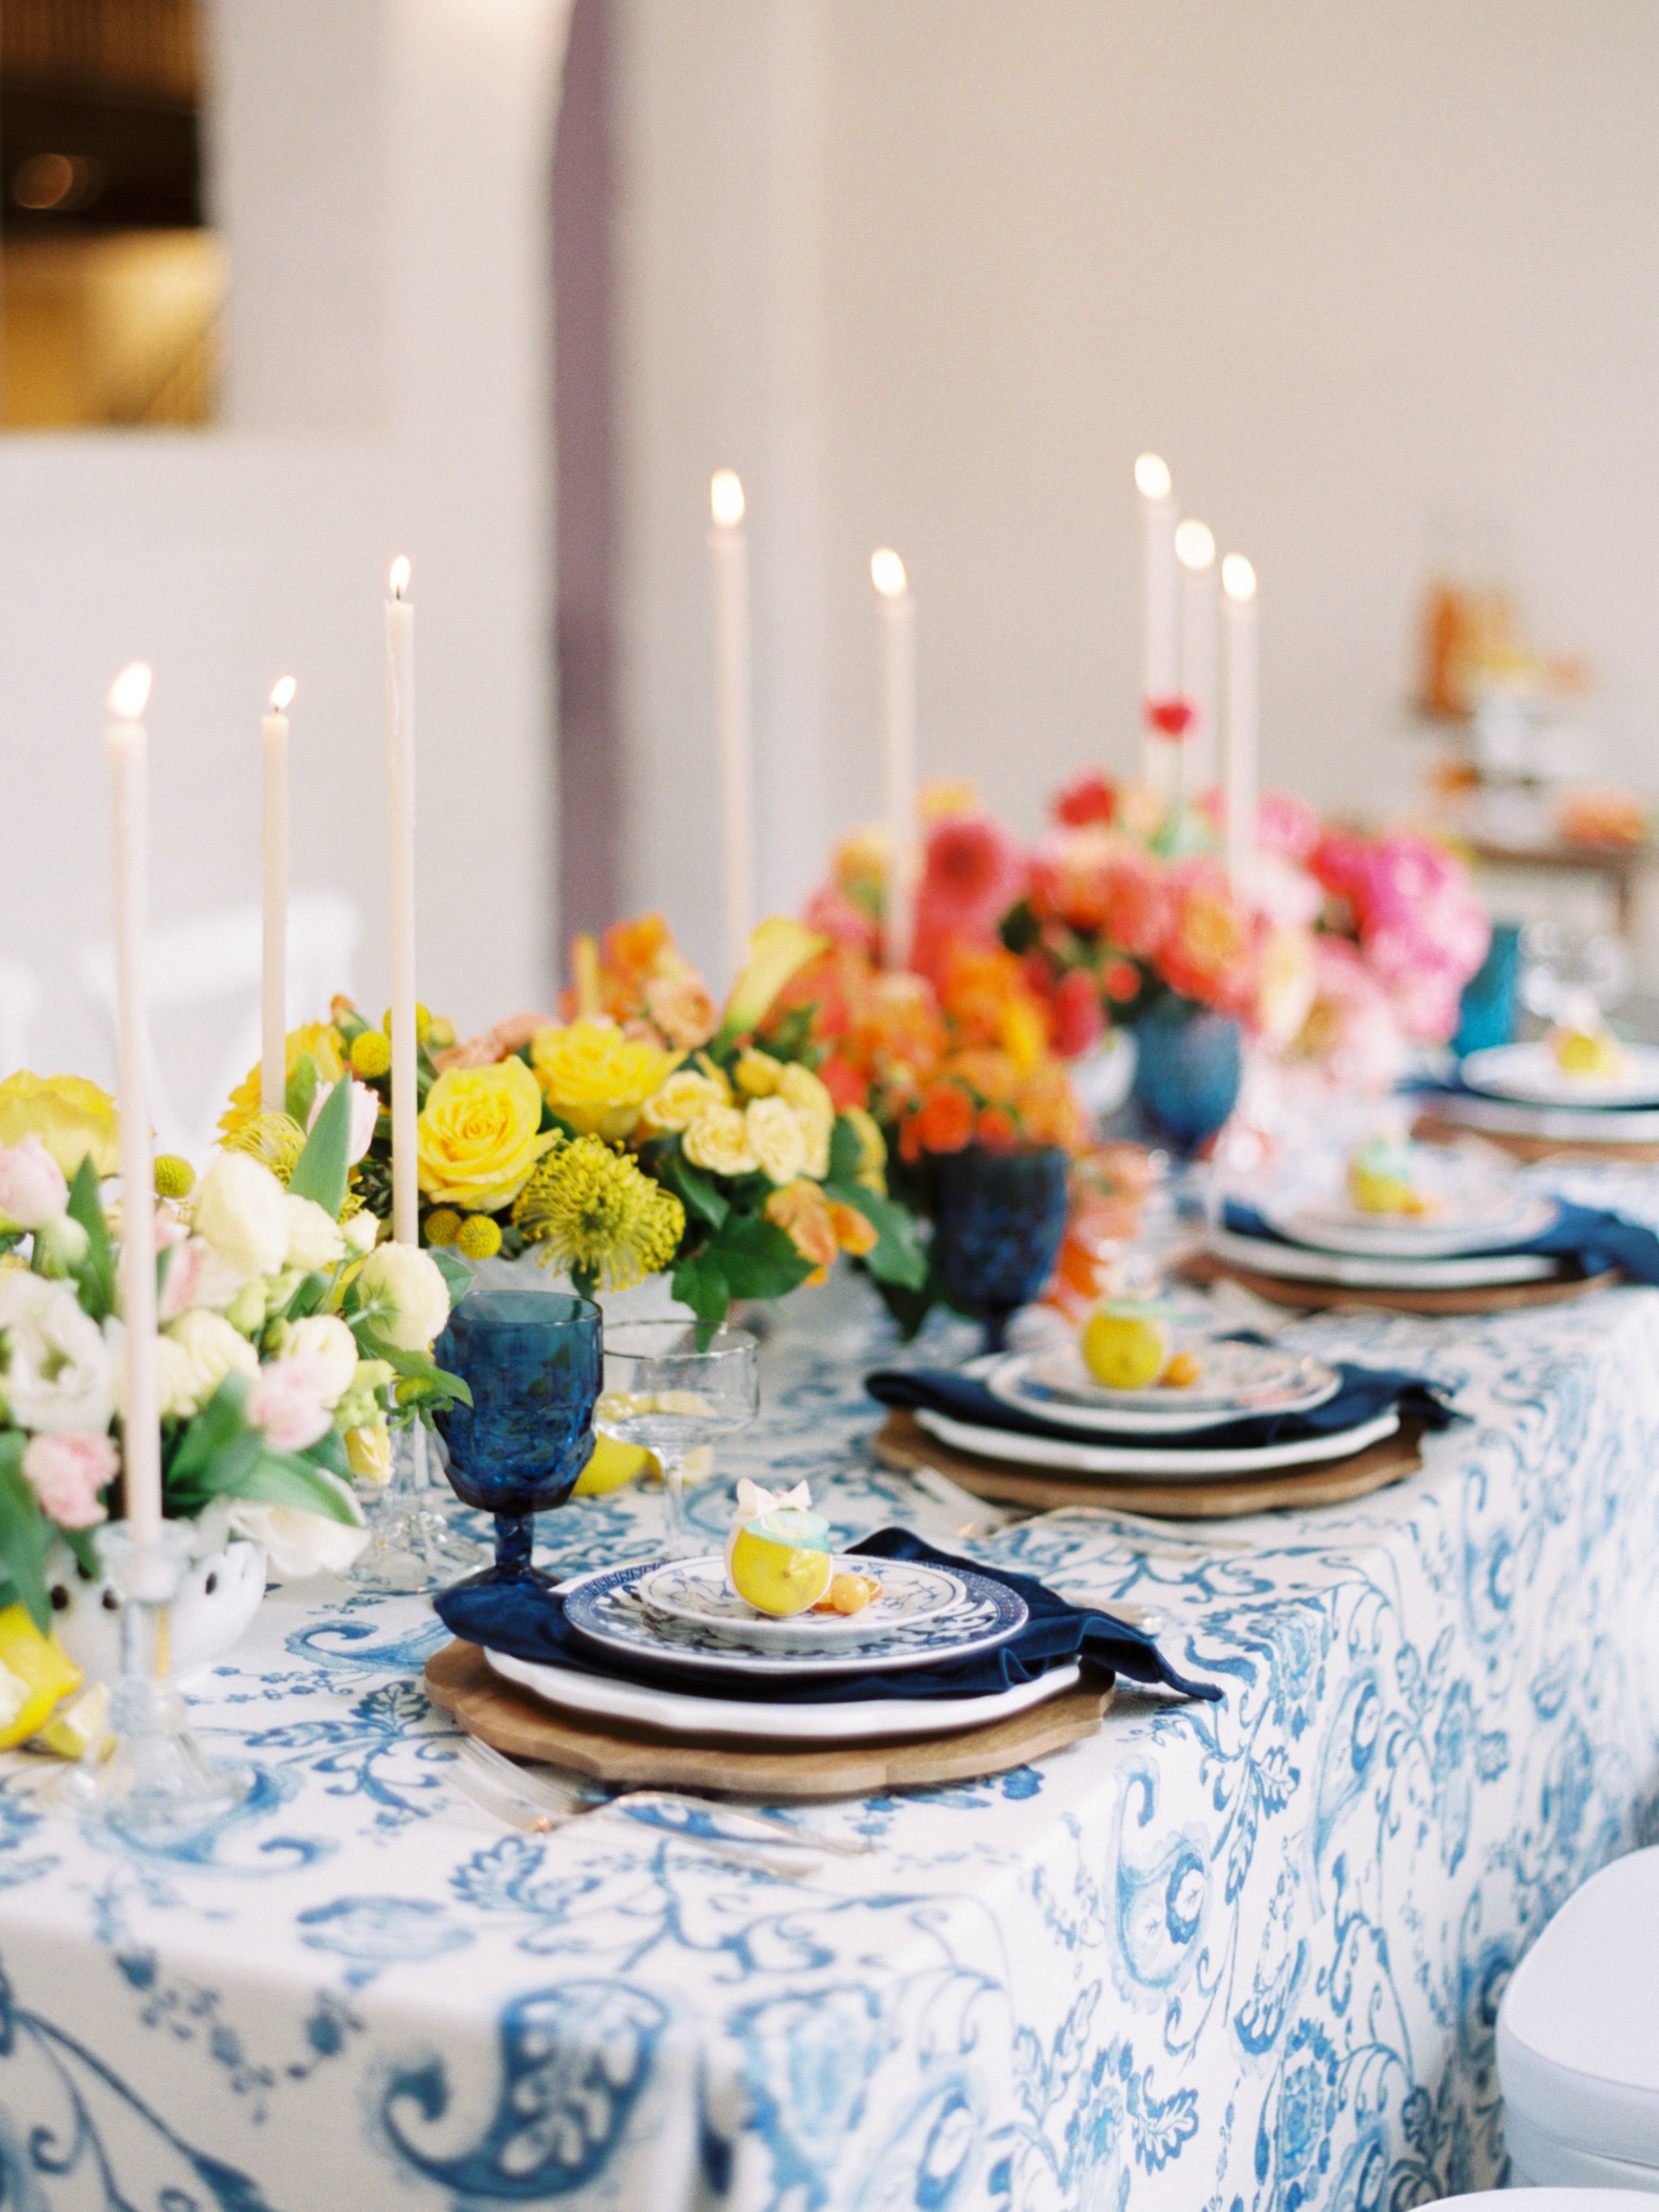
(1315, 1298)
(1433, 1130)
(902, 1442)
(514, 1720)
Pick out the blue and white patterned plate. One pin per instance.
(605, 1610)
(697, 1591)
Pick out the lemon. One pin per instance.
(1124, 1351)
(610, 1465)
(35, 1674)
(77, 1726)
(1381, 1180)
(780, 1561)
(1587, 1052)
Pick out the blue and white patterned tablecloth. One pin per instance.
(1241, 1957)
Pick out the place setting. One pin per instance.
(1579, 1092)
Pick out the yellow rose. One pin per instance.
(871, 1170)
(476, 1138)
(73, 1119)
(815, 1133)
(719, 1141)
(686, 1094)
(595, 1078)
(776, 1139)
(320, 1039)
(757, 1072)
(807, 1093)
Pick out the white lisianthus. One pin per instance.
(197, 1276)
(299, 1544)
(776, 1139)
(242, 1210)
(407, 1287)
(212, 1349)
(361, 1231)
(323, 1338)
(59, 1374)
(313, 1239)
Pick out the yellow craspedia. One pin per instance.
(371, 1053)
(595, 1078)
(174, 1178)
(476, 1138)
(443, 1226)
(478, 1238)
(324, 1043)
(73, 1119)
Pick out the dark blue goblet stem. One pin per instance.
(514, 1534)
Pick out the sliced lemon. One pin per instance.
(35, 1674)
(611, 1466)
(780, 1562)
(1124, 1351)
(75, 1727)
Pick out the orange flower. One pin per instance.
(854, 1231)
(634, 948)
(996, 1129)
(946, 1123)
(803, 1214)
(844, 1082)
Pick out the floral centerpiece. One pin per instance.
(287, 1345)
(643, 1130)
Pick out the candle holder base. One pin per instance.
(413, 1547)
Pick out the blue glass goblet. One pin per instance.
(532, 1360)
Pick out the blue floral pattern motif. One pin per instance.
(1244, 1957)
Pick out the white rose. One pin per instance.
(212, 1349)
(331, 1343)
(313, 1239)
(718, 1139)
(359, 1231)
(776, 1139)
(59, 1375)
(242, 1210)
(299, 1544)
(409, 1291)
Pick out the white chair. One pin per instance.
(19, 1001)
(1578, 2038)
(215, 957)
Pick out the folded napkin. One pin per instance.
(1595, 1239)
(1364, 1393)
(530, 1624)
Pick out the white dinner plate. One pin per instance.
(1470, 1220)
(605, 1611)
(856, 1720)
(1294, 1384)
(1507, 1117)
(1529, 1072)
(696, 1592)
(1146, 1463)
(1295, 1263)
(1230, 1371)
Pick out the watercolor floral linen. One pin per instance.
(1245, 1956)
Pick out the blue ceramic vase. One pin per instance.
(999, 1220)
(532, 1360)
(1189, 1064)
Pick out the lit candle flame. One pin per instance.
(400, 573)
(282, 694)
(726, 498)
(1238, 578)
(130, 692)
(1194, 545)
(887, 572)
(1153, 477)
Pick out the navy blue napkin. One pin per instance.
(1595, 1239)
(1364, 1393)
(530, 1624)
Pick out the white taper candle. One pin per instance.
(897, 612)
(729, 556)
(141, 1432)
(400, 771)
(1160, 646)
(1238, 606)
(1195, 550)
(273, 856)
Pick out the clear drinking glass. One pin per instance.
(674, 1386)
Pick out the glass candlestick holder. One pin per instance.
(157, 1786)
(413, 1547)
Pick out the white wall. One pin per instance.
(1345, 267)
(389, 392)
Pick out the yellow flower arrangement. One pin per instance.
(477, 1138)
(324, 1043)
(596, 1078)
(590, 1212)
(73, 1119)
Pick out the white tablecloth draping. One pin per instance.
(1244, 1956)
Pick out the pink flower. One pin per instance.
(831, 912)
(365, 1112)
(1350, 1030)
(33, 1191)
(287, 1402)
(1088, 798)
(67, 1472)
(1287, 826)
(1076, 1014)
(682, 1009)
(972, 874)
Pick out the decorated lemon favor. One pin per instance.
(777, 1555)
(1128, 1346)
(1383, 1178)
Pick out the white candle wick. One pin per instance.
(726, 499)
(1152, 478)
(887, 572)
(282, 694)
(400, 575)
(129, 695)
(1238, 578)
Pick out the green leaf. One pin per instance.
(273, 1478)
(84, 1544)
(455, 1271)
(95, 1278)
(330, 1451)
(300, 1095)
(897, 1255)
(25, 1533)
(756, 1258)
(437, 1386)
(219, 1431)
(320, 1172)
(700, 1283)
(846, 1152)
(701, 1199)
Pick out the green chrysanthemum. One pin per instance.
(591, 1213)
